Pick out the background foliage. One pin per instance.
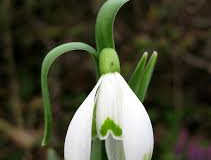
(178, 99)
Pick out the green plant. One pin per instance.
(106, 61)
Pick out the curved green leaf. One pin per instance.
(104, 24)
(49, 59)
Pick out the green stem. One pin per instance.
(104, 24)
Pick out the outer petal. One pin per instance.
(114, 149)
(78, 138)
(136, 126)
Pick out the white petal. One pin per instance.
(78, 138)
(114, 149)
(136, 126)
(108, 107)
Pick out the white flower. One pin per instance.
(119, 118)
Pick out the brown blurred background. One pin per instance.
(179, 97)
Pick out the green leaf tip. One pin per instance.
(49, 59)
(104, 24)
(141, 77)
(147, 76)
(52, 154)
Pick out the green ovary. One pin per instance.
(109, 124)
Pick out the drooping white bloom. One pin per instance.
(120, 119)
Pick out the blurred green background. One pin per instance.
(179, 97)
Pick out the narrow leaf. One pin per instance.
(136, 78)
(147, 76)
(104, 24)
(49, 59)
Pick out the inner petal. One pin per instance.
(110, 125)
(114, 149)
(109, 108)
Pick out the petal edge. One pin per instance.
(79, 134)
(137, 129)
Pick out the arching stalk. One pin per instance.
(49, 59)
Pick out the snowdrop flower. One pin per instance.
(111, 112)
